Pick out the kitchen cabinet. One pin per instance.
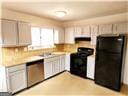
(62, 63)
(16, 78)
(47, 68)
(77, 31)
(94, 33)
(86, 31)
(69, 35)
(105, 29)
(15, 33)
(53, 65)
(24, 33)
(9, 33)
(58, 35)
(90, 67)
(82, 31)
(67, 62)
(120, 28)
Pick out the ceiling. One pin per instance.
(75, 10)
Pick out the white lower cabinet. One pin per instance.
(47, 69)
(54, 65)
(62, 63)
(16, 78)
(90, 67)
(67, 62)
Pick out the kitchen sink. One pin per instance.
(46, 54)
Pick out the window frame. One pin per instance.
(30, 47)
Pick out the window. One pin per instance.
(47, 37)
(42, 38)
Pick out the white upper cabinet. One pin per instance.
(9, 33)
(94, 33)
(15, 33)
(24, 33)
(86, 31)
(77, 31)
(82, 31)
(69, 35)
(58, 35)
(120, 28)
(105, 29)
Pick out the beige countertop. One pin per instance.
(31, 59)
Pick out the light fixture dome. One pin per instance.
(60, 13)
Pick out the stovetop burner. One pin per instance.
(85, 51)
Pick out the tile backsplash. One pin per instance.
(16, 53)
(73, 47)
(22, 52)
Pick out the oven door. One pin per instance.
(78, 65)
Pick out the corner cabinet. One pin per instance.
(69, 35)
(15, 33)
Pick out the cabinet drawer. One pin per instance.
(17, 81)
(16, 68)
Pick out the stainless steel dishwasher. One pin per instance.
(35, 72)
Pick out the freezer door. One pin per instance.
(110, 44)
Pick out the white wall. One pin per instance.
(125, 72)
(122, 17)
(34, 20)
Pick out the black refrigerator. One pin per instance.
(108, 64)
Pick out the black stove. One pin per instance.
(78, 62)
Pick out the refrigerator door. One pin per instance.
(108, 65)
(108, 70)
(110, 44)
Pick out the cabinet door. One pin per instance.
(63, 63)
(69, 35)
(77, 32)
(56, 65)
(105, 29)
(9, 33)
(94, 33)
(59, 36)
(24, 33)
(67, 62)
(17, 81)
(120, 28)
(47, 69)
(86, 31)
(90, 67)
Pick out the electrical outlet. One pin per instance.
(16, 49)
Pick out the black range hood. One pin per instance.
(77, 39)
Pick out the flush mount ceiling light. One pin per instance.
(60, 13)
